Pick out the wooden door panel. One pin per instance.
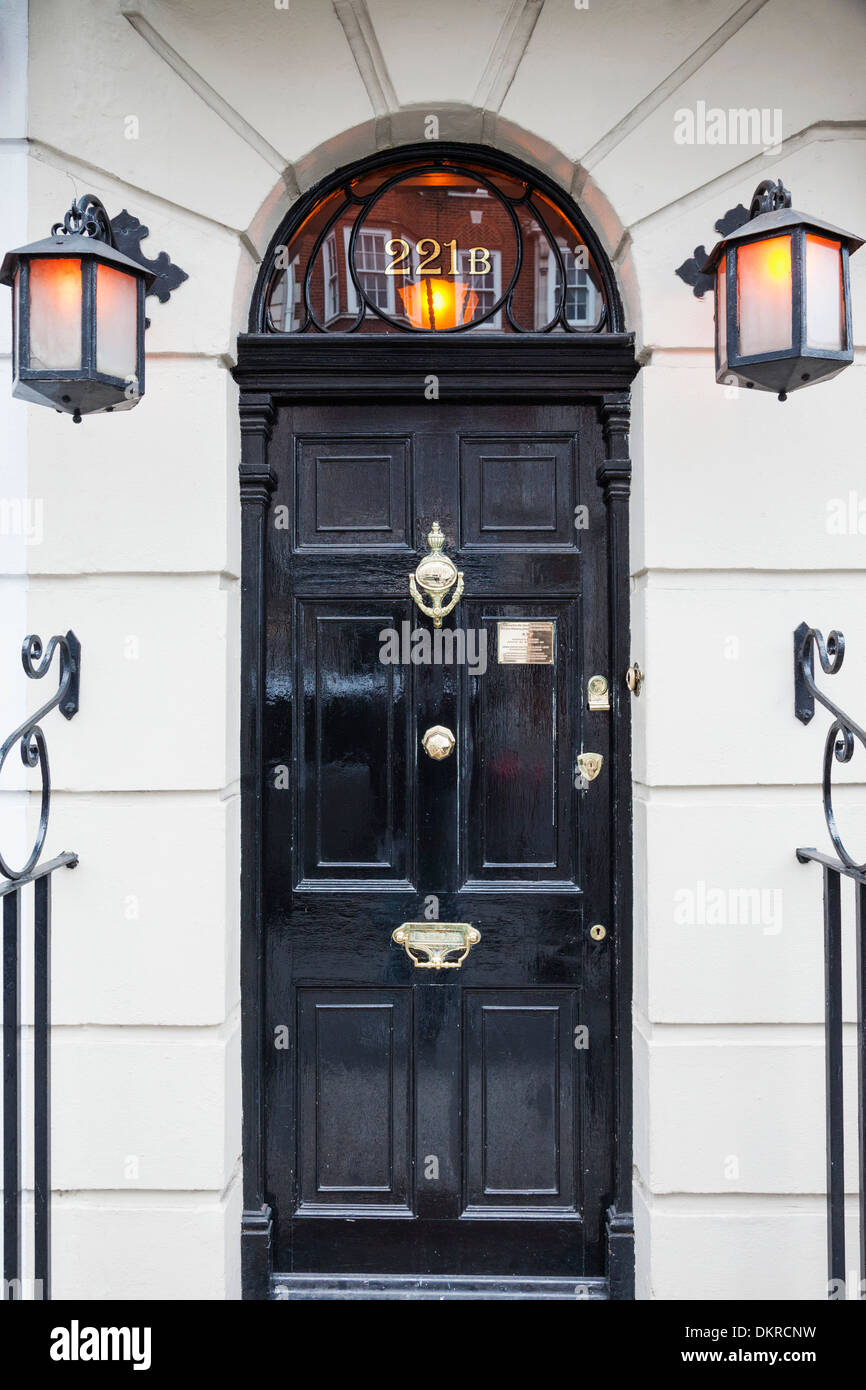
(521, 1117)
(355, 774)
(522, 736)
(354, 1102)
(518, 491)
(353, 491)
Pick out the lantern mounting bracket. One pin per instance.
(128, 233)
(691, 271)
(125, 233)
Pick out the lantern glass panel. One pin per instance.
(116, 322)
(764, 295)
(55, 314)
(824, 303)
(722, 314)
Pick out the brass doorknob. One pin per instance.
(438, 742)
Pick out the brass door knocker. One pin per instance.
(435, 574)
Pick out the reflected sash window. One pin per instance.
(371, 261)
(332, 281)
(487, 285)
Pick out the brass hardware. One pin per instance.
(437, 940)
(590, 764)
(436, 573)
(524, 643)
(438, 742)
(598, 932)
(597, 693)
(634, 679)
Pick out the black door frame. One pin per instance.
(278, 369)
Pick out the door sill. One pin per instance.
(421, 1286)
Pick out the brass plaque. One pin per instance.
(525, 643)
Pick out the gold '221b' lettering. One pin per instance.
(428, 249)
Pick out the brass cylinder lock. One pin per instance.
(598, 932)
(597, 693)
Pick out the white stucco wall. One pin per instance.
(232, 107)
(19, 518)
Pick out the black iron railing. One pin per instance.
(30, 739)
(842, 737)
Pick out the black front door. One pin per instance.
(421, 1121)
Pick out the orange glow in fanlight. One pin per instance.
(435, 303)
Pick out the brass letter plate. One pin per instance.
(525, 643)
(436, 940)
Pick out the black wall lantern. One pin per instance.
(783, 298)
(77, 316)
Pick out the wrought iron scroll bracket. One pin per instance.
(843, 732)
(125, 233)
(86, 217)
(29, 736)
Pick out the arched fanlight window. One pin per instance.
(445, 243)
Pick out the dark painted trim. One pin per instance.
(391, 367)
(256, 484)
(615, 477)
(272, 369)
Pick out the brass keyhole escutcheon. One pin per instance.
(590, 765)
(598, 932)
(438, 742)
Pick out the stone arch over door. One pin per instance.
(281, 372)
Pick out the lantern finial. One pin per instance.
(86, 217)
(769, 197)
